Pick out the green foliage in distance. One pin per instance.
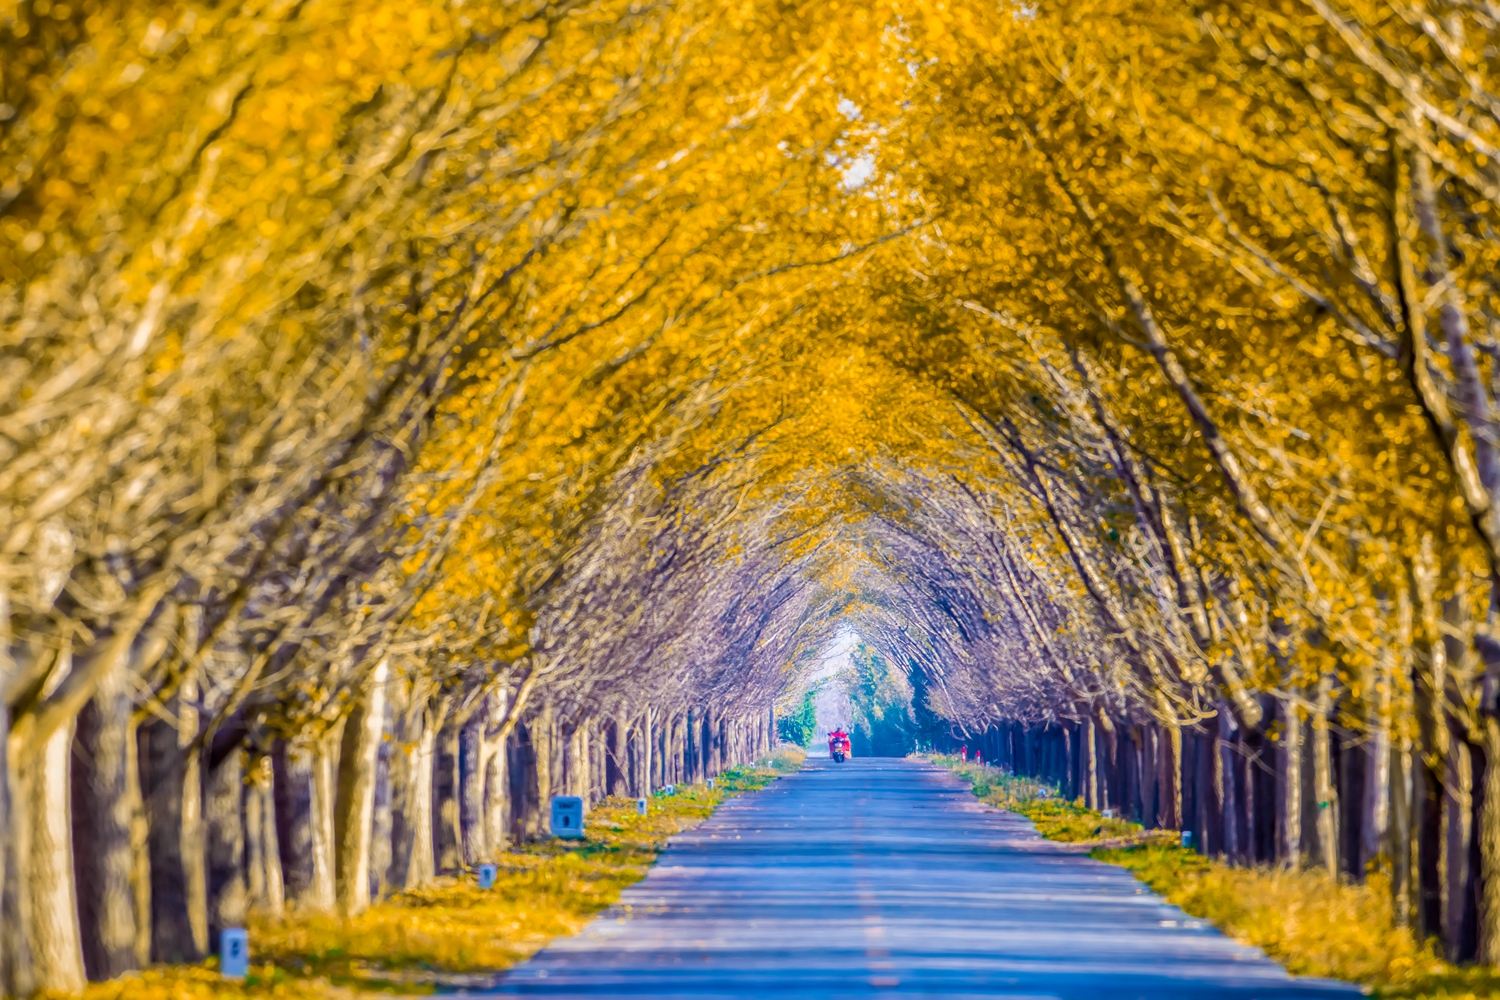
(883, 724)
(802, 724)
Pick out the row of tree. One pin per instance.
(366, 474)
(379, 383)
(1204, 528)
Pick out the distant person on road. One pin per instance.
(839, 747)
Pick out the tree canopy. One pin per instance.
(1111, 368)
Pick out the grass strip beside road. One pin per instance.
(1055, 817)
(1314, 923)
(453, 932)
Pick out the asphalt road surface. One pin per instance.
(886, 878)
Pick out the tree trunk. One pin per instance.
(1488, 837)
(1457, 815)
(671, 760)
(525, 809)
(1471, 930)
(1264, 796)
(575, 776)
(194, 824)
(1429, 849)
(446, 788)
(1189, 782)
(471, 790)
(1325, 794)
(1144, 811)
(1110, 790)
(354, 795)
(406, 726)
(1169, 798)
(682, 772)
(304, 807)
(648, 757)
(1226, 792)
(16, 969)
(291, 795)
(677, 756)
(1071, 787)
(1210, 792)
(105, 810)
(171, 788)
(692, 737)
(558, 771)
(617, 758)
(380, 821)
(412, 764)
(44, 863)
(1398, 833)
(323, 752)
(599, 736)
(662, 752)
(227, 893)
(709, 752)
(496, 780)
(1290, 813)
(1376, 809)
(545, 742)
(264, 889)
(1089, 745)
(681, 758)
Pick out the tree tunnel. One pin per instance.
(411, 411)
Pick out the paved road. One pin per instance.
(884, 878)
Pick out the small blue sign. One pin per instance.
(710, 784)
(1187, 838)
(641, 806)
(486, 875)
(234, 952)
(567, 817)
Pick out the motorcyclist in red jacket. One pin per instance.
(838, 742)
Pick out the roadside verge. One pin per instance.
(1313, 923)
(452, 932)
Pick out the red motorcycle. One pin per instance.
(839, 747)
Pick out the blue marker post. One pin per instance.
(1187, 838)
(567, 817)
(486, 875)
(641, 806)
(234, 953)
